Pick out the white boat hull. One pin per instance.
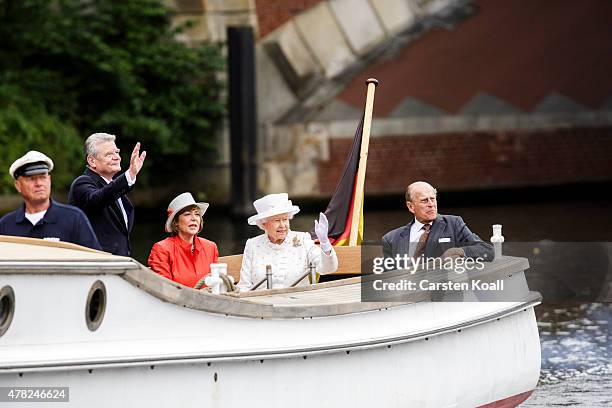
(150, 352)
(466, 369)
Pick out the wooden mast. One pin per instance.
(363, 159)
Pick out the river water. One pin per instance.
(575, 337)
(576, 366)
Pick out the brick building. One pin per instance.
(474, 94)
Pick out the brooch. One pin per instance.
(296, 242)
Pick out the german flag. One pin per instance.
(339, 211)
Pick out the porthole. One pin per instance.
(7, 308)
(96, 305)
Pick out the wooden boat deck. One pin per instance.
(345, 293)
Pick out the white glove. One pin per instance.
(321, 228)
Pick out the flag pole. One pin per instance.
(363, 158)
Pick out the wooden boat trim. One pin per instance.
(253, 304)
(52, 267)
(47, 243)
(180, 295)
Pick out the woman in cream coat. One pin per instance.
(289, 253)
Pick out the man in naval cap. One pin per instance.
(40, 216)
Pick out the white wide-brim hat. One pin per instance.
(31, 163)
(181, 201)
(272, 204)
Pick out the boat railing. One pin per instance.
(312, 272)
(258, 284)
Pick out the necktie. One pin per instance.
(420, 249)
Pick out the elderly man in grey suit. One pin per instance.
(431, 234)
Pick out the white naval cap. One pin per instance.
(31, 163)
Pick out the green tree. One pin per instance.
(26, 125)
(115, 66)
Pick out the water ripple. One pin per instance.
(576, 367)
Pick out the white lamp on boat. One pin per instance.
(497, 239)
(213, 281)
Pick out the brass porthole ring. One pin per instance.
(96, 305)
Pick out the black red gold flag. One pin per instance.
(339, 211)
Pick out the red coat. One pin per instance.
(172, 258)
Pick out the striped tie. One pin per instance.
(420, 249)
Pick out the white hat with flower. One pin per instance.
(272, 204)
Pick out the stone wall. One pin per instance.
(478, 160)
(508, 120)
(307, 52)
(210, 18)
(316, 46)
(272, 14)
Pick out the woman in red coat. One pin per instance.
(184, 257)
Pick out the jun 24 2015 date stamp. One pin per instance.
(34, 394)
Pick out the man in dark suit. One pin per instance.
(431, 234)
(101, 192)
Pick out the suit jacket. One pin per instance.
(98, 199)
(450, 228)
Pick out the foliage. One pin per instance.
(26, 125)
(112, 66)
